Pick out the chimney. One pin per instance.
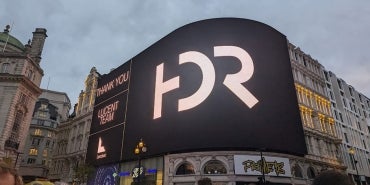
(37, 44)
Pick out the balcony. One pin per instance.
(10, 144)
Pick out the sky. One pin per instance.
(104, 34)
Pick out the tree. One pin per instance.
(82, 173)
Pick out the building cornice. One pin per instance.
(5, 77)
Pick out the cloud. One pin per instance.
(105, 34)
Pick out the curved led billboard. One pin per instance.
(217, 84)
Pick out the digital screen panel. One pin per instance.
(104, 175)
(109, 113)
(105, 147)
(218, 84)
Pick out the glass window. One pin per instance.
(297, 171)
(36, 141)
(33, 151)
(45, 153)
(42, 114)
(31, 161)
(38, 132)
(214, 167)
(185, 168)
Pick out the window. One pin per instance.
(326, 76)
(40, 122)
(341, 117)
(33, 151)
(23, 99)
(36, 141)
(331, 95)
(45, 153)
(31, 161)
(185, 168)
(364, 143)
(359, 125)
(47, 143)
(311, 172)
(17, 122)
(214, 167)
(38, 132)
(339, 84)
(42, 114)
(346, 137)
(5, 68)
(297, 171)
(30, 74)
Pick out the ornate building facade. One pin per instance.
(351, 110)
(51, 108)
(72, 134)
(20, 78)
(322, 141)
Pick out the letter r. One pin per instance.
(234, 81)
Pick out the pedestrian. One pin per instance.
(8, 175)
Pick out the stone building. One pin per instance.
(351, 110)
(20, 78)
(322, 141)
(72, 134)
(51, 108)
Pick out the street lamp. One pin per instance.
(352, 154)
(139, 149)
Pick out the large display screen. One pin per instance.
(218, 84)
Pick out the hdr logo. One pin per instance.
(231, 81)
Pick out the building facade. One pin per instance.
(72, 135)
(20, 78)
(351, 110)
(51, 108)
(323, 129)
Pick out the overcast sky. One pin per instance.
(87, 33)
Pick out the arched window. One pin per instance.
(311, 172)
(297, 171)
(214, 167)
(185, 168)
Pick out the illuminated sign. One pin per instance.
(104, 175)
(218, 84)
(101, 150)
(253, 165)
(137, 172)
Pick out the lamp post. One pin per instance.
(139, 149)
(352, 154)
